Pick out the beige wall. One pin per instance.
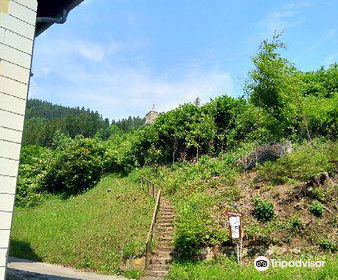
(17, 27)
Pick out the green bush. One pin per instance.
(75, 167)
(328, 245)
(194, 227)
(118, 155)
(132, 249)
(33, 166)
(296, 223)
(133, 274)
(307, 161)
(263, 210)
(316, 208)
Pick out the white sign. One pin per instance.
(235, 225)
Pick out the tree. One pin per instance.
(275, 88)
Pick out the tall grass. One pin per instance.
(96, 230)
(226, 270)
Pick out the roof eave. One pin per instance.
(45, 26)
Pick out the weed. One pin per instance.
(263, 210)
(296, 224)
(133, 274)
(316, 208)
(328, 245)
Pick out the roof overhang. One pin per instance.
(53, 9)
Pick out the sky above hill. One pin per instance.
(120, 57)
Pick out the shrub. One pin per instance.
(194, 227)
(133, 274)
(33, 166)
(328, 245)
(307, 161)
(296, 223)
(75, 167)
(263, 210)
(316, 208)
(132, 249)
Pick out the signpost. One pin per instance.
(236, 231)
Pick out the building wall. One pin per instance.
(17, 27)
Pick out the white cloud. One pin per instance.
(332, 33)
(289, 15)
(92, 52)
(327, 37)
(95, 76)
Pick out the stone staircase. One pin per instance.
(160, 261)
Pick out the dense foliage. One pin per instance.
(263, 210)
(44, 119)
(129, 124)
(283, 103)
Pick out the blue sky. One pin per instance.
(121, 56)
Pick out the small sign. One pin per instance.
(235, 224)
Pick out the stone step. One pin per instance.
(159, 267)
(167, 213)
(163, 205)
(166, 233)
(152, 278)
(166, 218)
(157, 273)
(165, 230)
(165, 243)
(165, 248)
(168, 239)
(158, 260)
(168, 255)
(165, 224)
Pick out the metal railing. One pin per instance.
(151, 189)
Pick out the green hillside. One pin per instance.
(97, 230)
(271, 154)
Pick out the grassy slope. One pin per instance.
(202, 193)
(94, 230)
(228, 270)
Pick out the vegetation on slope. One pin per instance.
(277, 207)
(223, 269)
(97, 230)
(194, 152)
